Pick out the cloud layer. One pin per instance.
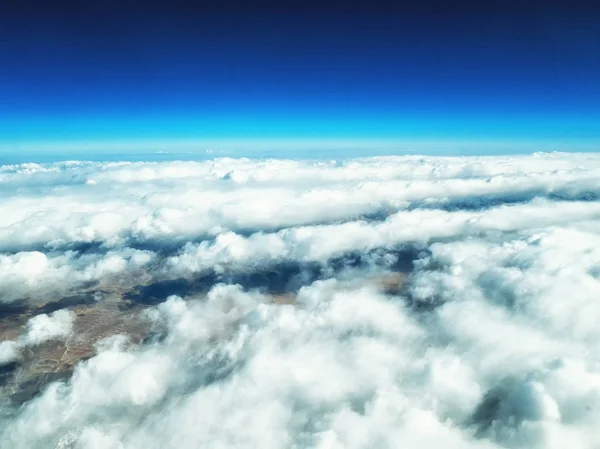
(489, 341)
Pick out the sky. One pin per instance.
(125, 74)
(158, 293)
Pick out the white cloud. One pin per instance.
(142, 201)
(40, 277)
(9, 352)
(38, 329)
(43, 328)
(493, 343)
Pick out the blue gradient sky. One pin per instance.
(92, 76)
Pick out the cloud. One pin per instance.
(266, 289)
(9, 352)
(39, 276)
(55, 205)
(43, 328)
(38, 329)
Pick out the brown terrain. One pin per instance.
(96, 320)
(55, 359)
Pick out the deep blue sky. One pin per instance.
(142, 73)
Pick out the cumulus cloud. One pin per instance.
(76, 223)
(141, 202)
(487, 336)
(43, 328)
(38, 329)
(9, 352)
(39, 276)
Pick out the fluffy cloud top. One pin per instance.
(9, 352)
(492, 341)
(71, 224)
(43, 328)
